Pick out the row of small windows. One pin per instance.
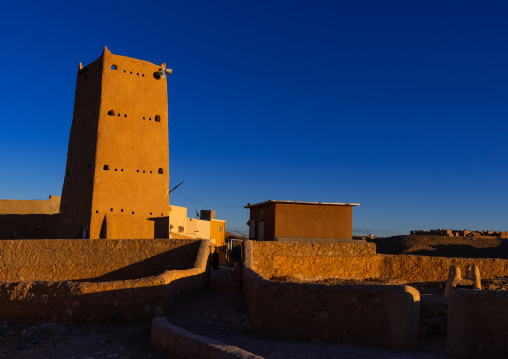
(111, 210)
(157, 118)
(115, 67)
(105, 168)
(159, 171)
(122, 211)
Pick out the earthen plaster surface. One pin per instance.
(113, 285)
(298, 219)
(48, 206)
(478, 323)
(373, 315)
(117, 175)
(358, 261)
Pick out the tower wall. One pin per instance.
(123, 146)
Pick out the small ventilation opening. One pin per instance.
(111, 113)
(157, 118)
(161, 171)
(114, 67)
(125, 115)
(106, 168)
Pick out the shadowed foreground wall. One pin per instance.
(373, 315)
(478, 323)
(104, 279)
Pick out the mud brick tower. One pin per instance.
(117, 175)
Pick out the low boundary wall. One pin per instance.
(98, 279)
(310, 261)
(373, 315)
(184, 344)
(478, 323)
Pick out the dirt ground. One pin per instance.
(77, 340)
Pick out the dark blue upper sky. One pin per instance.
(398, 105)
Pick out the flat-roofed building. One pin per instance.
(275, 220)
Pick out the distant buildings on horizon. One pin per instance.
(459, 233)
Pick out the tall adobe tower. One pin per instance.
(117, 176)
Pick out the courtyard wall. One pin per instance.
(77, 280)
(310, 261)
(376, 315)
(477, 323)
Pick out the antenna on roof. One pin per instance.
(197, 214)
(175, 187)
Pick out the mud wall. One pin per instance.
(93, 259)
(127, 293)
(48, 206)
(478, 323)
(373, 315)
(307, 261)
(29, 219)
(28, 226)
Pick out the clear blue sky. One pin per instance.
(398, 105)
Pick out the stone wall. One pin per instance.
(308, 261)
(98, 279)
(478, 323)
(374, 315)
